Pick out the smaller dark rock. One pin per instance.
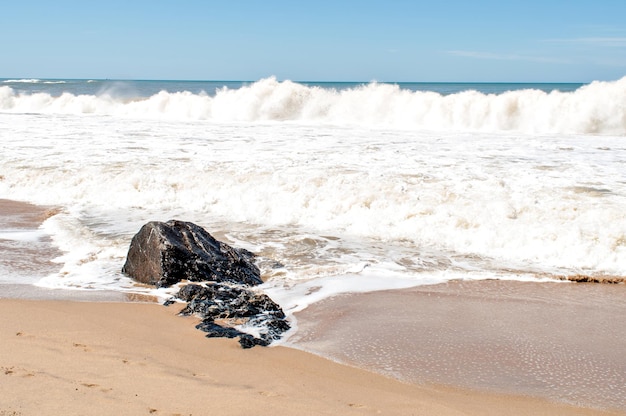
(583, 278)
(225, 302)
(189, 292)
(169, 302)
(214, 330)
(248, 341)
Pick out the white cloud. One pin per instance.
(504, 56)
(613, 42)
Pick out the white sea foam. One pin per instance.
(20, 235)
(341, 207)
(597, 108)
(33, 81)
(23, 81)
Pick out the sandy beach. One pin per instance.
(63, 358)
(96, 353)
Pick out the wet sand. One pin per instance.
(27, 256)
(17, 214)
(565, 342)
(24, 254)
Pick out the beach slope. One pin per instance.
(61, 357)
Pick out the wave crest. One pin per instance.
(32, 81)
(596, 108)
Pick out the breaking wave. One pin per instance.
(31, 81)
(596, 108)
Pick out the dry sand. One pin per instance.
(71, 358)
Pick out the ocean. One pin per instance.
(337, 187)
(352, 187)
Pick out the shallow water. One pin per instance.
(561, 341)
(27, 252)
(352, 189)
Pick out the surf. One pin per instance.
(598, 108)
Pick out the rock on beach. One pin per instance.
(163, 254)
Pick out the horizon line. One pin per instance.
(17, 79)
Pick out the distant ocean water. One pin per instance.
(352, 186)
(146, 88)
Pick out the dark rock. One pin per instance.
(169, 302)
(188, 292)
(214, 330)
(163, 254)
(583, 278)
(248, 341)
(234, 305)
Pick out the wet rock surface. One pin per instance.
(163, 254)
(224, 308)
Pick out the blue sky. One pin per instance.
(391, 40)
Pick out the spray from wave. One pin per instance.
(597, 108)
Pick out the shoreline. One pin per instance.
(60, 357)
(90, 349)
(30, 256)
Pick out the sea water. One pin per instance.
(337, 187)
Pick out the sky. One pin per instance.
(366, 40)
